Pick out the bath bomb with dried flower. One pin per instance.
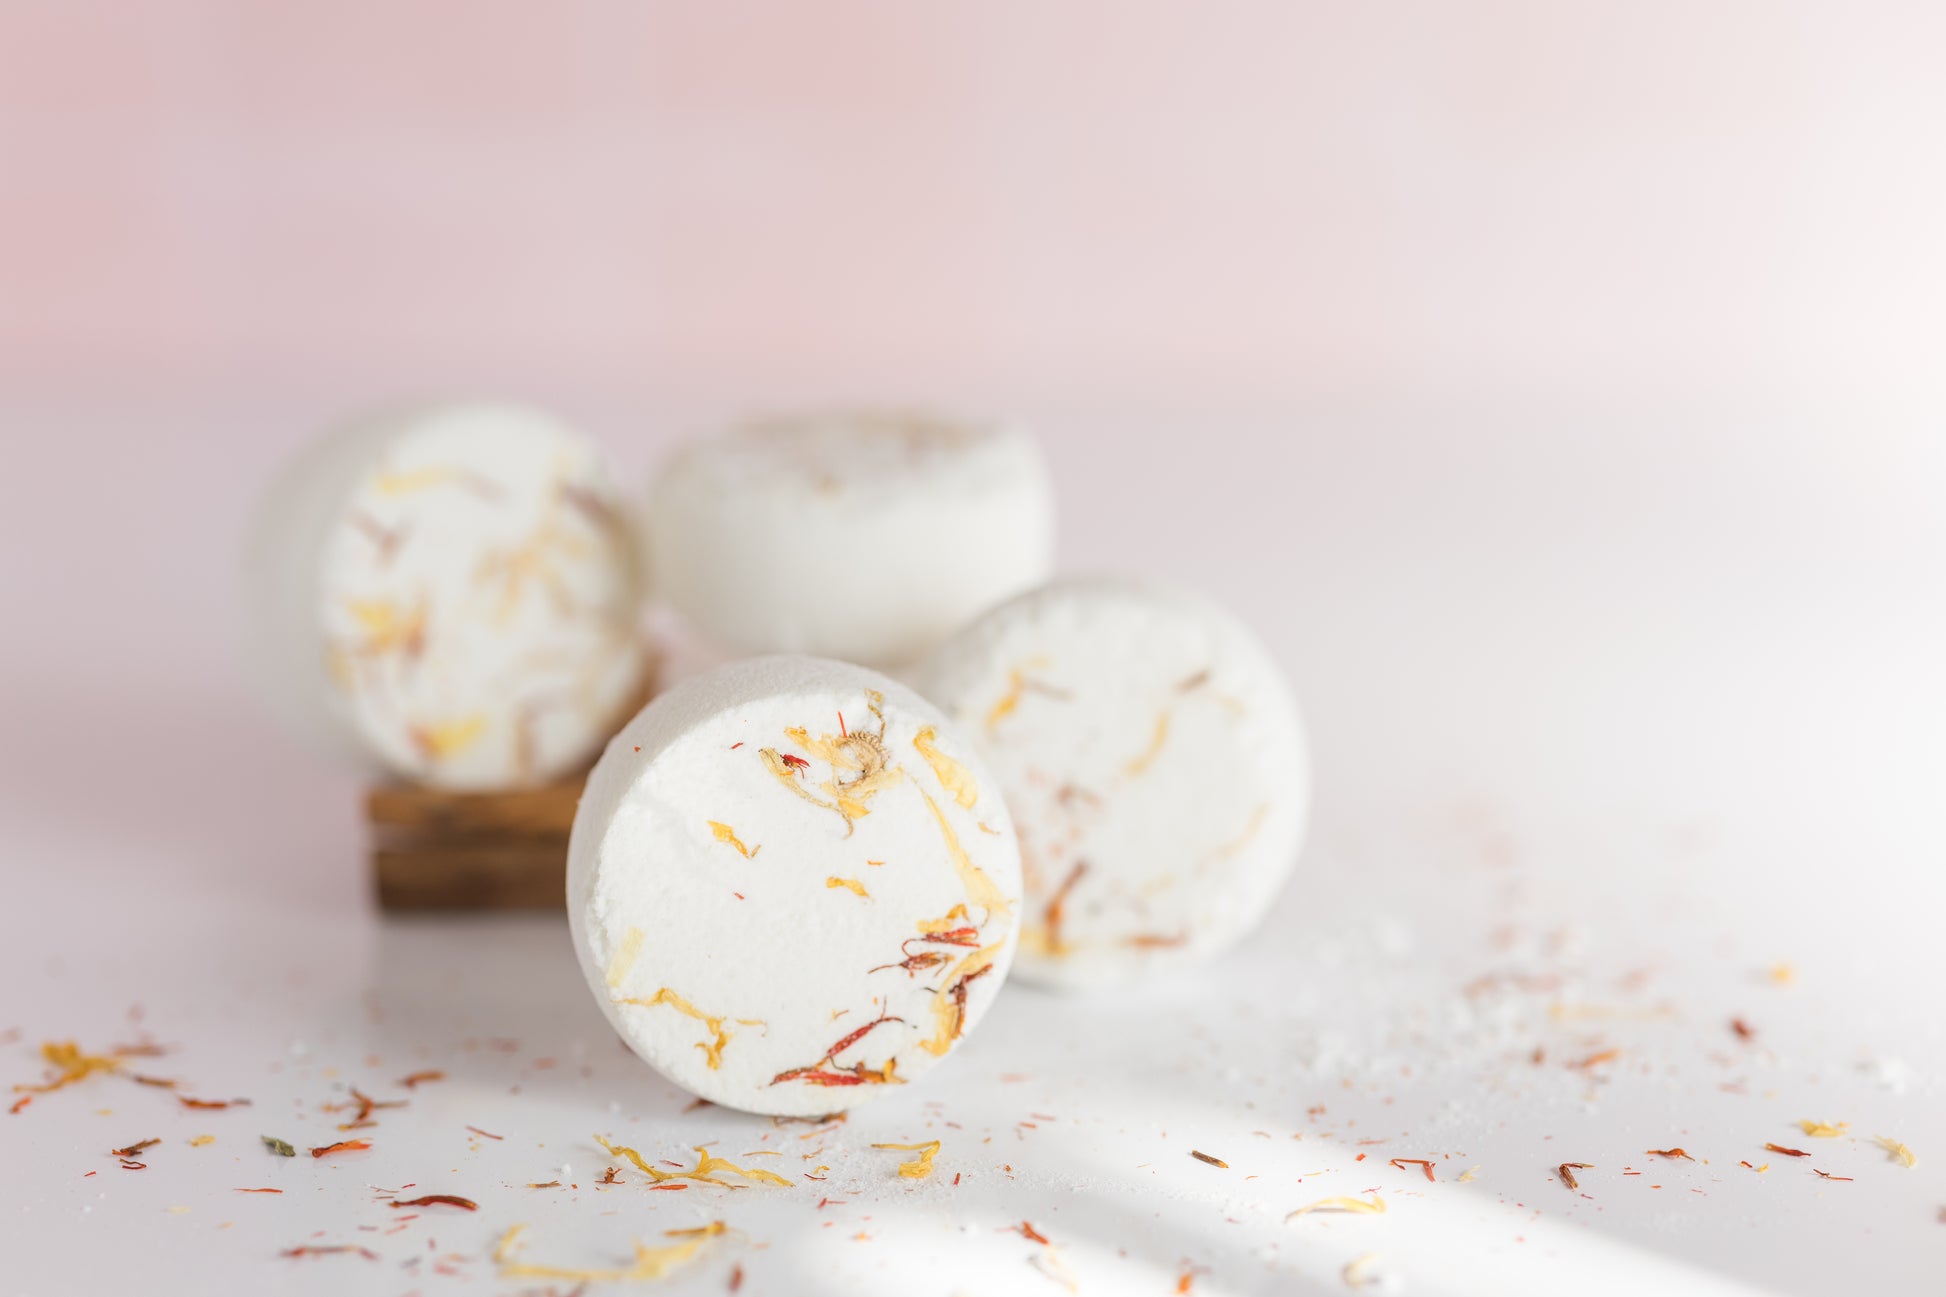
(792, 886)
(862, 536)
(450, 594)
(1154, 764)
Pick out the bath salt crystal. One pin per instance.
(450, 593)
(792, 885)
(865, 536)
(1153, 762)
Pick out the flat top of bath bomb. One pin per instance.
(840, 452)
(792, 886)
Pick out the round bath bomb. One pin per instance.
(1153, 761)
(792, 886)
(863, 536)
(450, 594)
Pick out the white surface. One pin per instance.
(1615, 710)
(1151, 756)
(867, 536)
(448, 592)
(784, 912)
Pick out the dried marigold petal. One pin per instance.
(724, 833)
(1357, 1271)
(919, 1167)
(713, 1049)
(71, 1065)
(333, 1250)
(446, 739)
(981, 891)
(1141, 763)
(704, 1172)
(1004, 706)
(953, 777)
(1898, 1152)
(949, 1002)
(1356, 1206)
(622, 961)
(650, 1263)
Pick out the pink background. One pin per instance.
(1213, 202)
(1472, 353)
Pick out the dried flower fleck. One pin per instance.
(725, 834)
(1356, 1206)
(704, 1172)
(713, 1048)
(650, 1263)
(1898, 1152)
(919, 1167)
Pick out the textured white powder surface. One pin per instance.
(450, 593)
(862, 536)
(1154, 764)
(776, 854)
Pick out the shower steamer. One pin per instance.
(863, 536)
(792, 886)
(450, 594)
(1153, 762)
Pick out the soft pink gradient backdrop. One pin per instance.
(1243, 201)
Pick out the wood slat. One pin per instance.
(476, 876)
(547, 812)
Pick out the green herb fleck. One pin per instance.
(281, 1148)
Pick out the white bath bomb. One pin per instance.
(791, 885)
(450, 594)
(862, 536)
(1152, 759)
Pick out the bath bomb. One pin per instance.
(450, 594)
(791, 885)
(1154, 764)
(862, 536)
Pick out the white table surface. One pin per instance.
(1614, 714)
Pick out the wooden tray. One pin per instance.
(437, 850)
